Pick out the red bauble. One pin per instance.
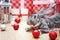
(35, 33)
(53, 35)
(15, 26)
(17, 20)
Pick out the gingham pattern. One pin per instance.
(37, 7)
(15, 3)
(29, 5)
(33, 8)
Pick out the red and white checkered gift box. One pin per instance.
(28, 4)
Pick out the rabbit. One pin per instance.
(37, 20)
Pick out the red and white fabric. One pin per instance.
(15, 3)
(29, 5)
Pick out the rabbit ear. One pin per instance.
(42, 10)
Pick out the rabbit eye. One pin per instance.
(34, 16)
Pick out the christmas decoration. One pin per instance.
(3, 27)
(17, 20)
(35, 33)
(15, 26)
(53, 35)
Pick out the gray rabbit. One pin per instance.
(37, 20)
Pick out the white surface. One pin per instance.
(20, 34)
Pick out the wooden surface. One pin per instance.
(20, 34)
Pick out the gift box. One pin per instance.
(27, 5)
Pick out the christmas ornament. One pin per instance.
(35, 33)
(3, 27)
(17, 20)
(53, 35)
(16, 26)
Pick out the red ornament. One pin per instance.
(17, 20)
(53, 35)
(15, 26)
(36, 33)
